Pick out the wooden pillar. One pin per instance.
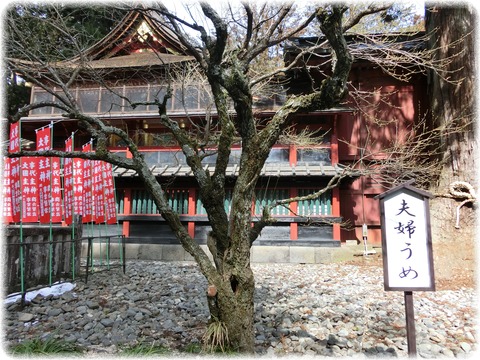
(334, 142)
(292, 155)
(127, 208)
(292, 158)
(293, 211)
(192, 195)
(336, 212)
(335, 191)
(127, 203)
(410, 319)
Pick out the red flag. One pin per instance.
(44, 175)
(109, 194)
(14, 138)
(7, 191)
(68, 183)
(87, 186)
(78, 186)
(29, 168)
(97, 188)
(15, 166)
(56, 191)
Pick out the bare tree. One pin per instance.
(228, 67)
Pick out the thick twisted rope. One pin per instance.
(462, 190)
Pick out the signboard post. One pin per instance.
(407, 247)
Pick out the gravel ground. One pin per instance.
(320, 309)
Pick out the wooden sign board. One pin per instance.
(406, 239)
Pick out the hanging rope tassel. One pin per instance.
(462, 190)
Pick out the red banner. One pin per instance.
(87, 186)
(32, 188)
(15, 166)
(14, 145)
(56, 192)
(29, 166)
(109, 194)
(44, 174)
(49, 186)
(7, 191)
(97, 188)
(68, 183)
(72, 184)
(78, 186)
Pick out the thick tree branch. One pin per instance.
(39, 77)
(200, 55)
(248, 35)
(216, 47)
(300, 57)
(370, 9)
(332, 90)
(173, 220)
(270, 41)
(108, 157)
(38, 105)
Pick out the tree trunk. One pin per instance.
(452, 107)
(232, 304)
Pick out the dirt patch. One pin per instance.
(455, 265)
(454, 268)
(454, 245)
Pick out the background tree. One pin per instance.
(400, 17)
(89, 24)
(452, 105)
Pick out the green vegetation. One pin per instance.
(50, 346)
(216, 338)
(143, 349)
(193, 348)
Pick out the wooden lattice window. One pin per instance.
(142, 202)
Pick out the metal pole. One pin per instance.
(50, 234)
(123, 254)
(410, 319)
(22, 268)
(21, 255)
(89, 247)
(73, 248)
(108, 251)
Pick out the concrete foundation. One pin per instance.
(259, 254)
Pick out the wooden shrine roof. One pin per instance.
(138, 30)
(270, 169)
(139, 40)
(141, 59)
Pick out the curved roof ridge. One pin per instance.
(121, 36)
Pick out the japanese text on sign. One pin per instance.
(406, 241)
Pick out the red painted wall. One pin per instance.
(386, 111)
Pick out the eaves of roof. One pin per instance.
(141, 59)
(135, 60)
(408, 41)
(270, 169)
